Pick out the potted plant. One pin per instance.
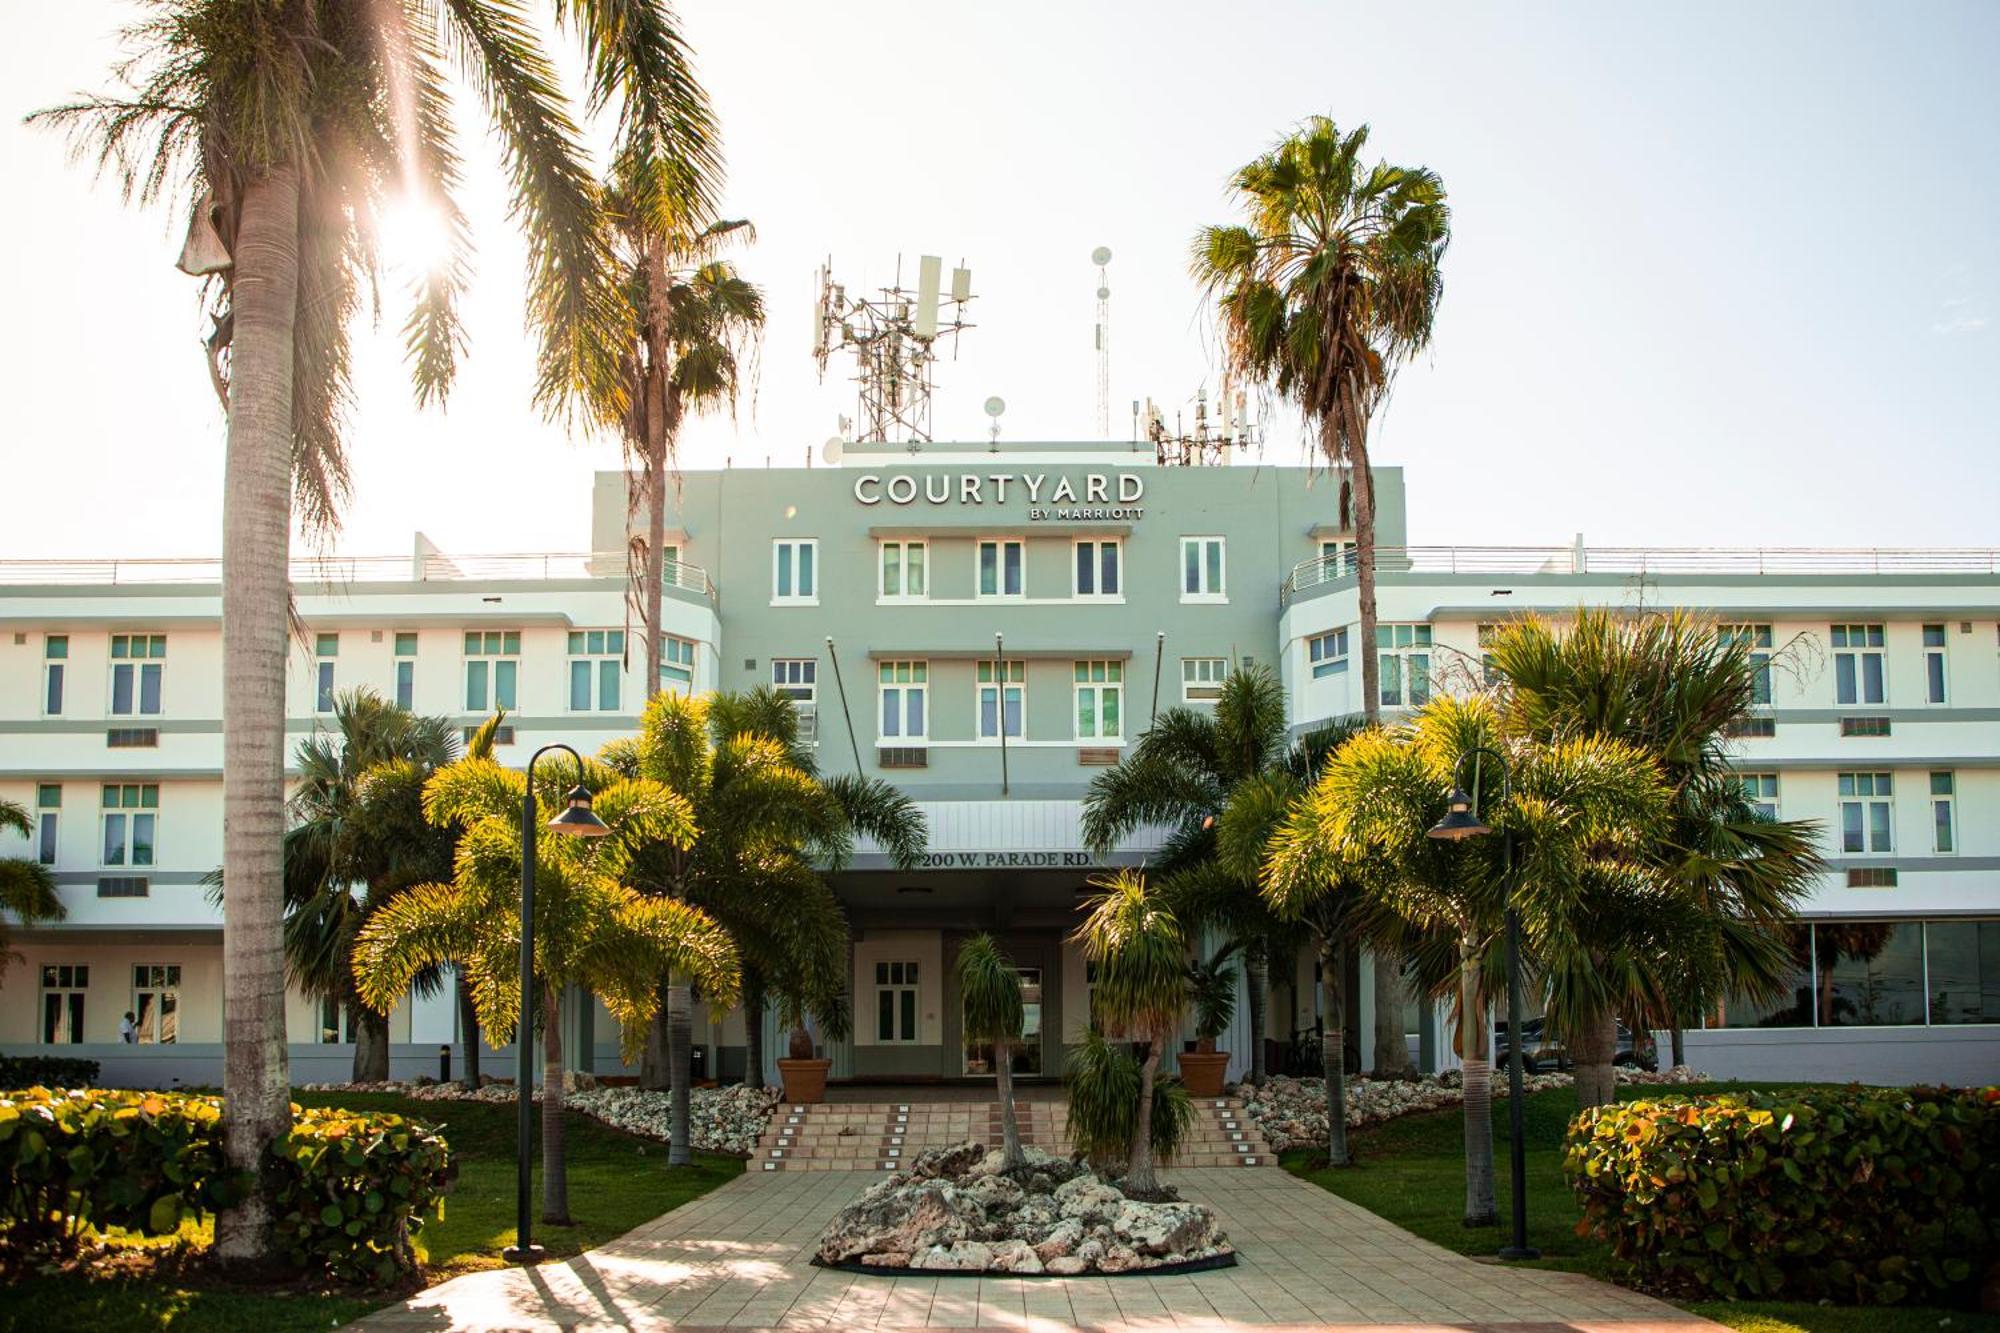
(802, 1070)
(1212, 992)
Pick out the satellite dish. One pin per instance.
(833, 449)
(1101, 255)
(995, 406)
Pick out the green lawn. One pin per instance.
(616, 1182)
(1412, 1171)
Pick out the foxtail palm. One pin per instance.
(591, 928)
(989, 985)
(283, 128)
(27, 889)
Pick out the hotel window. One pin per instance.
(492, 669)
(55, 665)
(1203, 569)
(896, 1002)
(905, 570)
(1761, 791)
(1100, 700)
(1489, 674)
(676, 664)
(331, 1012)
(326, 647)
(794, 572)
(1336, 558)
(1404, 654)
(1003, 688)
(596, 667)
(63, 989)
(1857, 664)
(156, 1003)
(1000, 568)
(1201, 679)
(1944, 823)
(1866, 818)
(48, 821)
(137, 665)
(1934, 665)
(1099, 569)
(1757, 638)
(797, 679)
(904, 690)
(1962, 962)
(131, 822)
(1326, 653)
(406, 669)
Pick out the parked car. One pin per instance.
(1546, 1054)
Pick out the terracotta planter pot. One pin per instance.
(804, 1080)
(1203, 1073)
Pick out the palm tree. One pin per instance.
(27, 889)
(1327, 286)
(768, 825)
(1674, 686)
(283, 127)
(591, 928)
(990, 986)
(1140, 952)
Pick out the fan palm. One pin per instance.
(284, 127)
(591, 928)
(990, 987)
(1675, 686)
(27, 889)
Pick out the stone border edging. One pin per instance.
(1213, 1261)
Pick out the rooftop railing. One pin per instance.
(1645, 560)
(434, 567)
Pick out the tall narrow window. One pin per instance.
(131, 822)
(64, 986)
(1404, 655)
(1326, 653)
(794, 572)
(1857, 664)
(48, 821)
(905, 570)
(1757, 638)
(1201, 679)
(156, 1003)
(1001, 572)
(797, 678)
(55, 666)
(676, 664)
(1203, 569)
(903, 689)
(596, 669)
(326, 648)
(492, 669)
(137, 669)
(406, 669)
(1944, 822)
(1761, 790)
(1100, 700)
(1935, 689)
(1867, 821)
(896, 1001)
(1002, 699)
(1098, 569)
(1336, 558)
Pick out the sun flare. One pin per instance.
(412, 237)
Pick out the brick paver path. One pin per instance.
(737, 1258)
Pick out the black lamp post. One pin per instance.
(1460, 822)
(576, 821)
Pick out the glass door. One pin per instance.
(1028, 1053)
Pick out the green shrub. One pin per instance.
(1855, 1195)
(46, 1071)
(352, 1188)
(1103, 1082)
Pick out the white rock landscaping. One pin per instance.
(952, 1211)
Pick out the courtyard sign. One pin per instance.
(1057, 501)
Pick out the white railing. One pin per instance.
(1648, 560)
(435, 567)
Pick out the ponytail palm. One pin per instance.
(27, 889)
(989, 986)
(591, 929)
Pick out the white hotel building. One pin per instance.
(874, 592)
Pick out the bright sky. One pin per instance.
(1721, 274)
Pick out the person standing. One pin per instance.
(128, 1030)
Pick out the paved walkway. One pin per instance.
(737, 1258)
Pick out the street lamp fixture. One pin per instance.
(1461, 821)
(576, 820)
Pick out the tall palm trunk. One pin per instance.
(256, 591)
(753, 1030)
(1257, 990)
(371, 1044)
(1480, 1208)
(1678, 1045)
(555, 1162)
(655, 1070)
(1010, 1127)
(680, 1022)
(1333, 1050)
(1592, 1047)
(1140, 1179)
(1392, 1051)
(1362, 484)
(468, 1032)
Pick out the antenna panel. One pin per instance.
(929, 269)
(961, 284)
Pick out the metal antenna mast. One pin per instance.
(894, 337)
(1209, 443)
(1101, 256)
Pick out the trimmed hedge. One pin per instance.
(351, 1187)
(1855, 1195)
(46, 1071)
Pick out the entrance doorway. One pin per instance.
(1028, 1052)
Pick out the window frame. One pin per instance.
(1937, 665)
(1328, 652)
(680, 659)
(1402, 654)
(1015, 684)
(326, 656)
(1191, 680)
(128, 817)
(48, 823)
(139, 667)
(77, 988)
(1881, 790)
(1099, 546)
(1944, 811)
(168, 987)
(802, 690)
(55, 674)
(509, 652)
(1000, 547)
(903, 548)
(1202, 593)
(403, 679)
(888, 985)
(1754, 782)
(1111, 685)
(604, 665)
(1758, 637)
(1874, 643)
(917, 683)
(786, 563)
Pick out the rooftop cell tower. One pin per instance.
(894, 336)
(1209, 441)
(1101, 256)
